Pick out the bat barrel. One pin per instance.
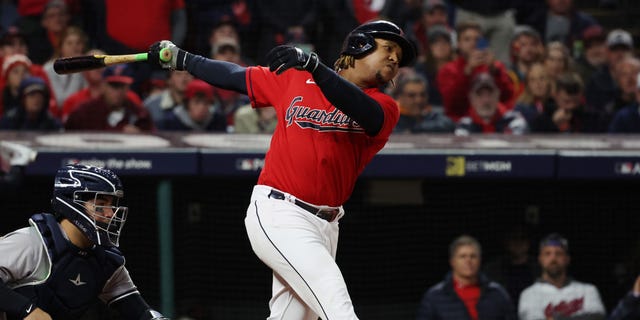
(77, 64)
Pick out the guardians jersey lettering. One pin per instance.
(316, 152)
(318, 119)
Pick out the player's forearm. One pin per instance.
(222, 74)
(350, 99)
(132, 307)
(14, 303)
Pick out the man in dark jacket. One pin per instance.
(629, 306)
(465, 293)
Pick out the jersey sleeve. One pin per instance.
(263, 87)
(118, 286)
(23, 258)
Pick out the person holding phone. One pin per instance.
(454, 78)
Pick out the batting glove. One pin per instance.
(177, 60)
(284, 57)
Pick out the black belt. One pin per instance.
(326, 214)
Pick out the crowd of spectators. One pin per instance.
(511, 66)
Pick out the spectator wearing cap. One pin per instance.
(555, 295)
(441, 50)
(224, 28)
(112, 111)
(454, 78)
(234, 16)
(562, 22)
(228, 49)
(73, 42)
(32, 112)
(526, 49)
(93, 90)
(199, 112)
(565, 111)
(169, 98)
(434, 13)
(594, 55)
(627, 119)
(15, 68)
(486, 113)
(416, 114)
(466, 292)
(601, 88)
(12, 42)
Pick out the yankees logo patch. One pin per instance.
(307, 117)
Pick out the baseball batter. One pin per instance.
(330, 125)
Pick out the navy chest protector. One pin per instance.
(77, 275)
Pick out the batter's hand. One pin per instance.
(177, 55)
(284, 57)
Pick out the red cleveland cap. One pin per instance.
(120, 73)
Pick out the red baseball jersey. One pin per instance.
(316, 152)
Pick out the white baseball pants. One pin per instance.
(300, 248)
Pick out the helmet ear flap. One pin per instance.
(360, 43)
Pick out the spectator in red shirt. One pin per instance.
(134, 25)
(466, 293)
(112, 111)
(92, 91)
(454, 79)
(487, 114)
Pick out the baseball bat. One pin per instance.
(83, 63)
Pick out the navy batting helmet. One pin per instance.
(88, 197)
(361, 41)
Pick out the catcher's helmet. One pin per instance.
(361, 41)
(88, 197)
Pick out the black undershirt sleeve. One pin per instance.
(14, 303)
(131, 307)
(350, 99)
(222, 74)
(343, 94)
